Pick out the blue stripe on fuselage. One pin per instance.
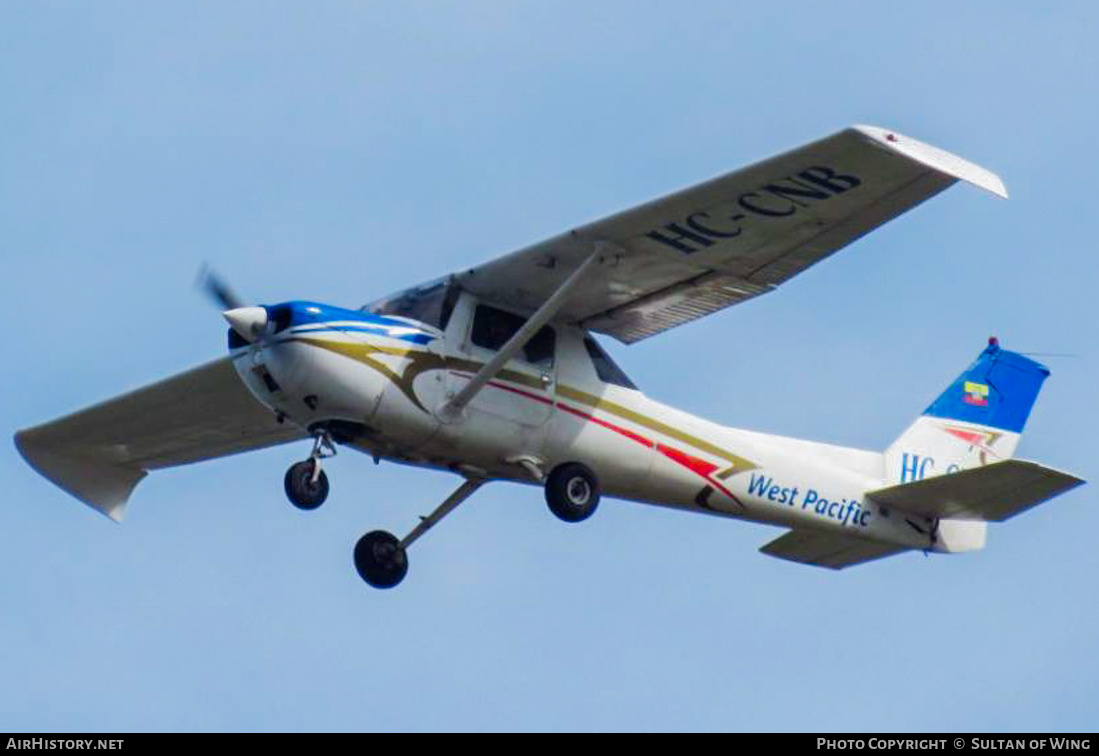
(302, 317)
(415, 338)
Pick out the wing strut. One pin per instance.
(453, 407)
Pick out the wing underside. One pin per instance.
(101, 453)
(730, 239)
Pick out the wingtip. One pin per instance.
(994, 185)
(115, 513)
(103, 486)
(934, 157)
(19, 438)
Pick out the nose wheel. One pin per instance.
(306, 483)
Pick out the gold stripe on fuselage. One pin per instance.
(421, 361)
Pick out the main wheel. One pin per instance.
(301, 489)
(572, 492)
(380, 560)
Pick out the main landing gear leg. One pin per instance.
(305, 482)
(382, 560)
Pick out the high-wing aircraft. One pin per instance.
(494, 373)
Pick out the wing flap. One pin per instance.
(101, 453)
(677, 304)
(832, 550)
(992, 493)
(729, 239)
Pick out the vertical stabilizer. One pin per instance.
(976, 421)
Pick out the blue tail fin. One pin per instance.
(997, 391)
(972, 429)
(975, 422)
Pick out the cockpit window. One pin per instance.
(431, 303)
(492, 328)
(605, 367)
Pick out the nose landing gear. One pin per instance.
(306, 483)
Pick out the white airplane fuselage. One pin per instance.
(381, 382)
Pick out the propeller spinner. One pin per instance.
(249, 321)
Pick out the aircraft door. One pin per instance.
(524, 391)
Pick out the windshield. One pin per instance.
(431, 303)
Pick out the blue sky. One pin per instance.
(340, 151)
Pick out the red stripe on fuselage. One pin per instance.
(694, 464)
(623, 431)
(699, 466)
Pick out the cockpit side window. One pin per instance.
(492, 328)
(605, 367)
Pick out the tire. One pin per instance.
(572, 492)
(380, 560)
(301, 490)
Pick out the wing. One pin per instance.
(729, 239)
(101, 453)
(992, 493)
(832, 550)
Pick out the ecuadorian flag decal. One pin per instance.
(976, 394)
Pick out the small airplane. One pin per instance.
(494, 373)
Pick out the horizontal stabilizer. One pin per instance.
(994, 492)
(832, 550)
